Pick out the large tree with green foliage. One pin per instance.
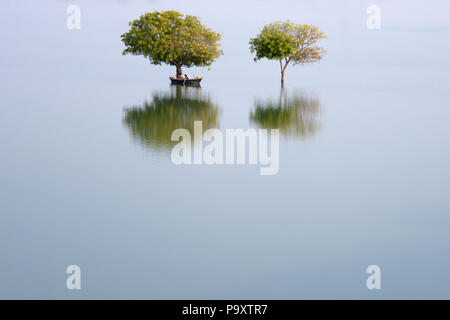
(172, 38)
(288, 43)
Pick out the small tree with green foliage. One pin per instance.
(172, 38)
(288, 43)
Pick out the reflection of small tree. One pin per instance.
(296, 116)
(153, 122)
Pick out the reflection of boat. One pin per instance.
(188, 82)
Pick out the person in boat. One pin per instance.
(186, 77)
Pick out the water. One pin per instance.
(364, 160)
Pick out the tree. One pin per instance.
(172, 38)
(288, 43)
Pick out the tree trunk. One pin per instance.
(282, 69)
(179, 71)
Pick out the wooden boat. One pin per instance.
(187, 82)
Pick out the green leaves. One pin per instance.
(173, 38)
(181, 40)
(288, 42)
(272, 43)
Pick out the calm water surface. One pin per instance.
(86, 176)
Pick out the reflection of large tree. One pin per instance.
(295, 115)
(153, 122)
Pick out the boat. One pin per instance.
(187, 82)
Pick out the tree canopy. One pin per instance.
(288, 43)
(172, 38)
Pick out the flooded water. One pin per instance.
(86, 176)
